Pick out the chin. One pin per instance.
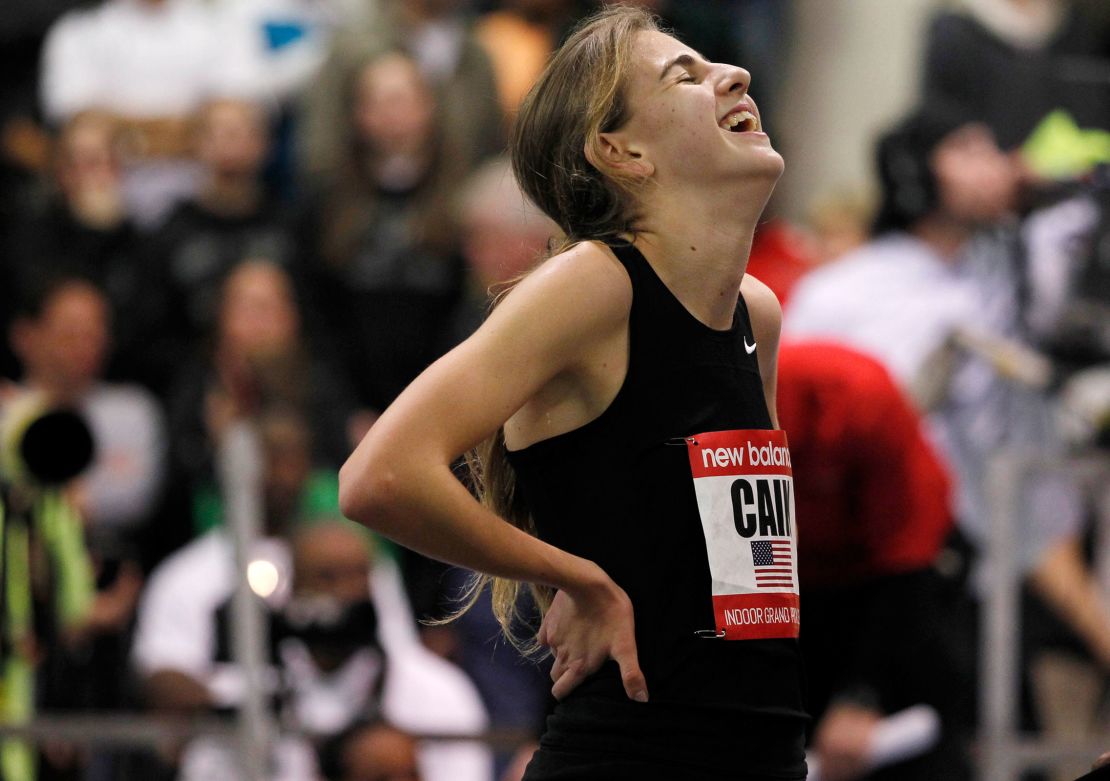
(768, 167)
(775, 161)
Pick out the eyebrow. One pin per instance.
(685, 60)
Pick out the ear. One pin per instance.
(619, 154)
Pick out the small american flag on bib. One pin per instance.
(773, 566)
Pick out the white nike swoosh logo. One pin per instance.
(749, 350)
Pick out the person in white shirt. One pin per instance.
(182, 643)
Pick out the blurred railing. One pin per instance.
(147, 730)
(1005, 752)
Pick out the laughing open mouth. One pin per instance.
(742, 121)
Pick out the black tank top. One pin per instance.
(618, 491)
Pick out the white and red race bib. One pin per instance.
(745, 492)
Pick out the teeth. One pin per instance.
(732, 120)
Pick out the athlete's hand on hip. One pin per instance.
(586, 628)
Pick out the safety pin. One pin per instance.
(710, 634)
(684, 441)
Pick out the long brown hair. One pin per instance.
(555, 147)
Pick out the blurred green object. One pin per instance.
(1060, 149)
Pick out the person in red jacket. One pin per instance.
(875, 499)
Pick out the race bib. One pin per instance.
(745, 492)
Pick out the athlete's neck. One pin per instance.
(699, 247)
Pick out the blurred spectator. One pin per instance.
(883, 631)
(518, 37)
(1009, 63)
(62, 340)
(83, 229)
(24, 144)
(437, 36)
(374, 751)
(1069, 273)
(935, 297)
(259, 356)
(331, 566)
(233, 217)
(346, 645)
(503, 235)
(838, 224)
(380, 240)
(151, 63)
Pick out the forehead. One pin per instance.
(651, 52)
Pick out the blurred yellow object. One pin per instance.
(1059, 149)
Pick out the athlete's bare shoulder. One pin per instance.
(763, 306)
(573, 298)
(587, 276)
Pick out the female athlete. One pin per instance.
(625, 389)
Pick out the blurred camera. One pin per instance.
(41, 444)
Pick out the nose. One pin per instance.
(733, 79)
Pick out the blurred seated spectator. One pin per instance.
(231, 218)
(344, 641)
(150, 63)
(438, 37)
(83, 229)
(258, 356)
(1009, 63)
(883, 631)
(379, 242)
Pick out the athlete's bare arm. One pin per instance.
(542, 336)
(542, 354)
(766, 316)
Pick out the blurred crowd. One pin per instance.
(278, 212)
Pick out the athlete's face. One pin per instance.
(690, 118)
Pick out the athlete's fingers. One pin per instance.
(635, 685)
(571, 677)
(558, 668)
